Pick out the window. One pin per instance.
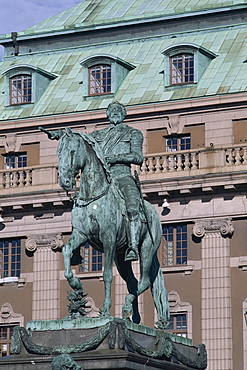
(103, 74)
(178, 324)
(174, 251)
(182, 69)
(5, 339)
(99, 80)
(174, 143)
(185, 63)
(91, 260)
(20, 89)
(25, 83)
(11, 261)
(16, 160)
(16, 177)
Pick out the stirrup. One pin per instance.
(131, 255)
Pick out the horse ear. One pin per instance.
(69, 132)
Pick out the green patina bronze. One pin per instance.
(64, 362)
(109, 212)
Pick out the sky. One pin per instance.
(17, 15)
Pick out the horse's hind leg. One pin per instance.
(143, 284)
(76, 239)
(126, 272)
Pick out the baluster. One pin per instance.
(186, 161)
(173, 162)
(14, 179)
(179, 162)
(28, 178)
(194, 161)
(7, 180)
(146, 165)
(151, 165)
(21, 178)
(1, 180)
(230, 157)
(158, 169)
(165, 163)
(238, 157)
(245, 156)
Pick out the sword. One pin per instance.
(138, 185)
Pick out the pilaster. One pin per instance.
(46, 281)
(216, 291)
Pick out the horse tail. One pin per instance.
(159, 292)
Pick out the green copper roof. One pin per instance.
(93, 13)
(227, 73)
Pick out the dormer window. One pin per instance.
(25, 84)
(20, 89)
(103, 74)
(182, 69)
(184, 64)
(99, 79)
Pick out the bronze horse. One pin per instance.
(98, 217)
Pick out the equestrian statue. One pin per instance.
(109, 212)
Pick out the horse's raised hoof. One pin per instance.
(161, 324)
(104, 312)
(75, 283)
(127, 311)
(131, 255)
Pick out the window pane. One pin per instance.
(99, 79)
(178, 324)
(20, 89)
(174, 250)
(182, 69)
(91, 260)
(5, 339)
(11, 250)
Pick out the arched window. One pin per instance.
(99, 79)
(20, 89)
(182, 69)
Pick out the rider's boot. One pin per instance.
(134, 226)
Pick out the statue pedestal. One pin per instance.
(101, 344)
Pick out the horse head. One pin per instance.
(70, 157)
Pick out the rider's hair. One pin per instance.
(120, 105)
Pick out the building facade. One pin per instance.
(180, 69)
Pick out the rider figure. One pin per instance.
(122, 146)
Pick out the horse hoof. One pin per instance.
(104, 313)
(127, 311)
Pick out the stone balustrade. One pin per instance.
(28, 176)
(158, 165)
(193, 162)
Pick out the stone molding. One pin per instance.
(223, 226)
(54, 241)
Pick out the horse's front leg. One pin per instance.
(107, 276)
(76, 239)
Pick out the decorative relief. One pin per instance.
(7, 315)
(91, 309)
(224, 226)
(54, 241)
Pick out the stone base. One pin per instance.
(101, 344)
(98, 359)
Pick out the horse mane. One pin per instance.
(98, 152)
